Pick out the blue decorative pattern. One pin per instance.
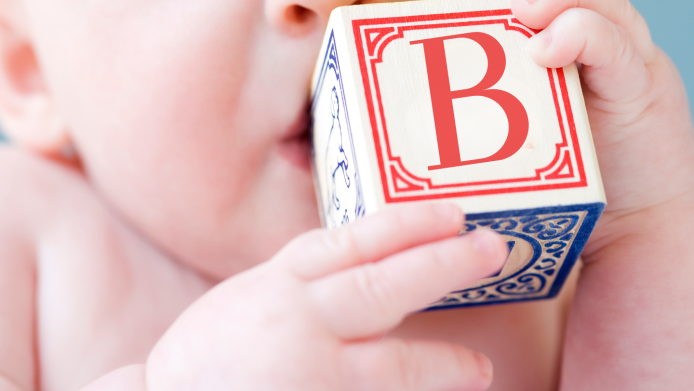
(340, 190)
(553, 239)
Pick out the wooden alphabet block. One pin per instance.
(431, 101)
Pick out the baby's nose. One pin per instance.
(302, 17)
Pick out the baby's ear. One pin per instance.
(29, 114)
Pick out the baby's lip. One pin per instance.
(300, 125)
(295, 146)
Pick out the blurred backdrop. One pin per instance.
(672, 29)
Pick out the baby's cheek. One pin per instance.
(179, 122)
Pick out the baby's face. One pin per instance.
(189, 116)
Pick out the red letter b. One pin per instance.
(442, 100)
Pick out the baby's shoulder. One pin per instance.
(32, 196)
(36, 191)
(93, 271)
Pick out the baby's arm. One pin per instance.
(630, 325)
(312, 317)
(17, 279)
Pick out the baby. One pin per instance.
(153, 202)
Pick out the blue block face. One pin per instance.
(544, 245)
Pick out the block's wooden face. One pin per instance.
(458, 109)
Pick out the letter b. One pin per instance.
(442, 100)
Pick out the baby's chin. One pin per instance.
(260, 230)
(219, 267)
(215, 206)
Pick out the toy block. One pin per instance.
(431, 101)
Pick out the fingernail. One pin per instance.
(485, 365)
(542, 40)
(485, 243)
(538, 48)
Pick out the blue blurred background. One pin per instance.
(672, 29)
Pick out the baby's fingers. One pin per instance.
(415, 366)
(368, 300)
(539, 14)
(322, 252)
(615, 71)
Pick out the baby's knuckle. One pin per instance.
(620, 47)
(578, 18)
(629, 14)
(408, 371)
(441, 257)
(330, 242)
(341, 241)
(399, 220)
(371, 286)
(621, 42)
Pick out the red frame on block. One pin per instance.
(391, 166)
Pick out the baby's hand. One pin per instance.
(629, 327)
(312, 317)
(636, 101)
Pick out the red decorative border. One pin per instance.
(372, 44)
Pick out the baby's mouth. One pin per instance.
(296, 147)
(297, 150)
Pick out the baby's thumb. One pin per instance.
(613, 68)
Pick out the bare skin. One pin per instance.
(183, 181)
(135, 292)
(115, 293)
